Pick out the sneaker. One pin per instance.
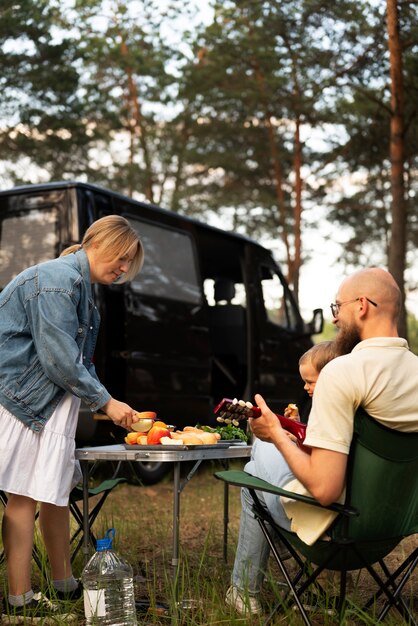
(242, 602)
(39, 610)
(65, 596)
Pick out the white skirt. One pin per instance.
(40, 465)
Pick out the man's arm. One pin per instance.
(322, 472)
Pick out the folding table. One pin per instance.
(198, 454)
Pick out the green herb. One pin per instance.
(226, 432)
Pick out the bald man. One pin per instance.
(377, 372)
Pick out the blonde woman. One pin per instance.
(48, 329)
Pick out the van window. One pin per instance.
(26, 238)
(169, 269)
(239, 296)
(278, 304)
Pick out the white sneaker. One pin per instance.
(242, 602)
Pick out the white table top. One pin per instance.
(118, 452)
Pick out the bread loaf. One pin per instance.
(191, 439)
(207, 438)
(191, 435)
(177, 434)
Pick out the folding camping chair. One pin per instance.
(380, 510)
(76, 496)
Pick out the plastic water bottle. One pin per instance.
(108, 587)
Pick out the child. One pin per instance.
(310, 365)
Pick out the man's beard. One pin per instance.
(347, 338)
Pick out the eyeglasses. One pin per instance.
(335, 306)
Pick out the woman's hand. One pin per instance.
(120, 413)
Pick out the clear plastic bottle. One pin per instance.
(108, 587)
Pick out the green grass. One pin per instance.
(142, 517)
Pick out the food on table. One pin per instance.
(154, 435)
(188, 438)
(169, 441)
(131, 438)
(228, 432)
(208, 438)
(161, 433)
(145, 421)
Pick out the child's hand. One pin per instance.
(292, 412)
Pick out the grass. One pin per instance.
(142, 517)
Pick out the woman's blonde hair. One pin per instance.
(116, 236)
(320, 354)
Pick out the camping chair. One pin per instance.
(381, 509)
(103, 490)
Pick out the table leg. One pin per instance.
(226, 521)
(86, 530)
(176, 516)
(178, 488)
(226, 514)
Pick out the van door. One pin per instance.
(162, 360)
(281, 340)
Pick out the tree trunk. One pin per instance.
(136, 124)
(297, 212)
(278, 178)
(397, 246)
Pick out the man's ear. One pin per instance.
(364, 305)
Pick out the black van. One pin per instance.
(209, 316)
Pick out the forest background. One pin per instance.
(294, 122)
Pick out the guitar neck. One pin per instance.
(234, 411)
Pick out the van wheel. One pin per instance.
(147, 472)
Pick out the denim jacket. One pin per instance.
(48, 330)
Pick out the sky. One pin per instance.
(322, 274)
(319, 281)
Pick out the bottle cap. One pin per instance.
(106, 542)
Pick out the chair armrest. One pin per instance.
(240, 478)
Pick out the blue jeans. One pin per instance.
(253, 551)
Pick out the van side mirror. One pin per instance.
(315, 327)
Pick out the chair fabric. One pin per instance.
(380, 510)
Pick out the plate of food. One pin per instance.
(161, 435)
(180, 446)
